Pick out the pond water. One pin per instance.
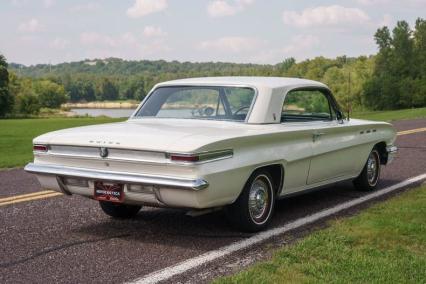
(110, 112)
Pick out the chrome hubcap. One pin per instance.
(259, 199)
(372, 168)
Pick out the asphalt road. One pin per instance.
(70, 240)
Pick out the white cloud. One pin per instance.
(92, 38)
(29, 38)
(235, 44)
(145, 7)
(59, 43)
(87, 7)
(125, 45)
(48, 3)
(151, 31)
(222, 8)
(300, 47)
(128, 38)
(372, 2)
(386, 21)
(301, 43)
(399, 4)
(31, 26)
(19, 3)
(325, 16)
(155, 47)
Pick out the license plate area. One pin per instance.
(107, 191)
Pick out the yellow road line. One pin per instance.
(50, 193)
(25, 195)
(35, 197)
(411, 131)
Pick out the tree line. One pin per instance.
(399, 77)
(394, 78)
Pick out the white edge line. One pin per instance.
(191, 263)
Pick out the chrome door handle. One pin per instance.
(316, 135)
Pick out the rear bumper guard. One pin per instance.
(392, 151)
(127, 178)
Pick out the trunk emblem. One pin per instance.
(103, 152)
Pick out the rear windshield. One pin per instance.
(214, 103)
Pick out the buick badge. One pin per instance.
(103, 152)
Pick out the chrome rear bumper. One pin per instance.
(127, 178)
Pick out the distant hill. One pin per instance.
(119, 67)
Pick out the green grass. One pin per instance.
(392, 115)
(16, 136)
(384, 244)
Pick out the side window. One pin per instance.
(306, 105)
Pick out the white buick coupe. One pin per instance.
(237, 143)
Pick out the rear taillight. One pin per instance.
(200, 157)
(40, 148)
(184, 158)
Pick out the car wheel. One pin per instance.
(370, 174)
(122, 211)
(253, 209)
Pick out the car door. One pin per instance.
(332, 151)
(298, 144)
(315, 110)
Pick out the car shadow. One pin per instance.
(171, 226)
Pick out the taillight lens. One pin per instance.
(40, 148)
(184, 158)
(200, 157)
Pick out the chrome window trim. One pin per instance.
(256, 92)
(121, 177)
(325, 91)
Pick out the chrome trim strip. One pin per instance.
(46, 169)
(87, 157)
(207, 156)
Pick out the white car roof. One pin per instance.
(259, 82)
(268, 103)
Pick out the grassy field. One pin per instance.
(392, 115)
(384, 244)
(16, 136)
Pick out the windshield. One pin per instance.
(215, 103)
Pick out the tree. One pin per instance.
(50, 94)
(397, 80)
(108, 91)
(6, 99)
(26, 101)
(135, 89)
(81, 90)
(284, 66)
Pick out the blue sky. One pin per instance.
(43, 31)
